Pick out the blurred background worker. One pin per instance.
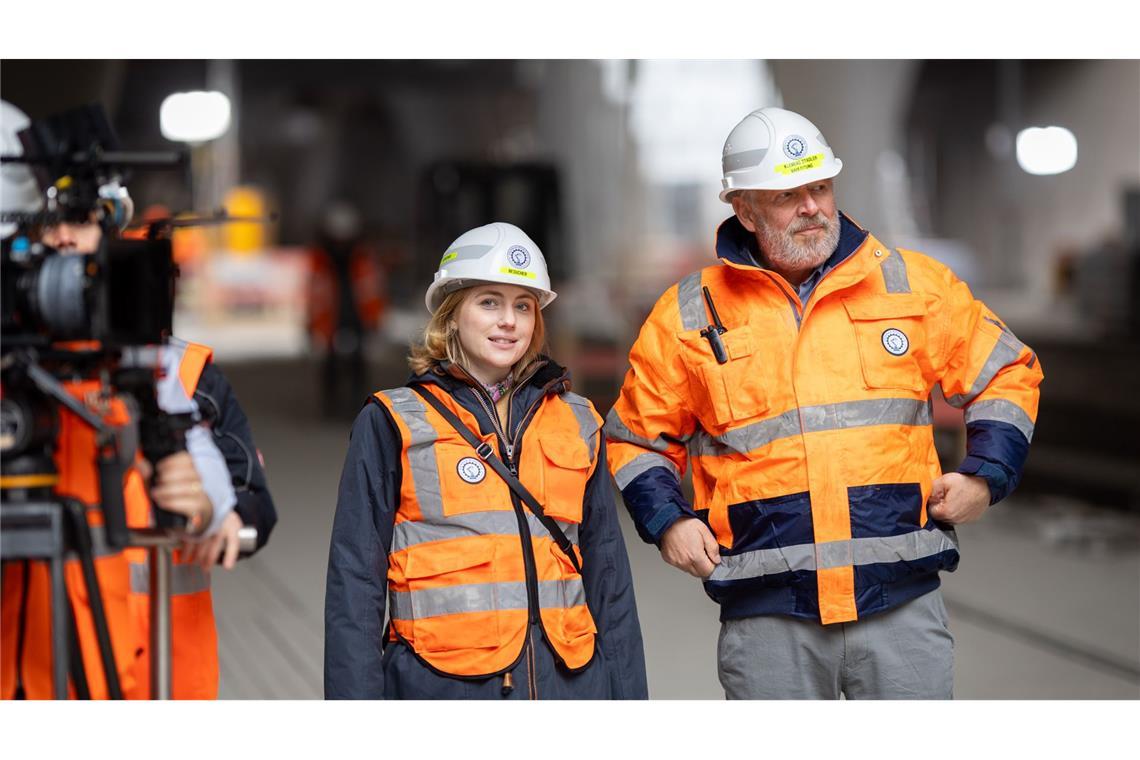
(346, 302)
(795, 376)
(501, 578)
(222, 449)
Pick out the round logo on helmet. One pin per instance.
(795, 147)
(895, 341)
(519, 256)
(471, 469)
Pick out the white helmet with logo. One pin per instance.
(775, 149)
(496, 252)
(19, 193)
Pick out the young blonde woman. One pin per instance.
(475, 510)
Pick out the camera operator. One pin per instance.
(198, 483)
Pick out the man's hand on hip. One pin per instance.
(689, 545)
(956, 498)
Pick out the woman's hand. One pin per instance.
(205, 551)
(177, 488)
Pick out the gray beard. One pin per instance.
(781, 250)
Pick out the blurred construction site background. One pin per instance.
(1023, 176)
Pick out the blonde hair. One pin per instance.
(441, 338)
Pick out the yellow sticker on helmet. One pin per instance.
(518, 272)
(448, 257)
(801, 164)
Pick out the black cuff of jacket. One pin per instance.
(1000, 480)
(655, 502)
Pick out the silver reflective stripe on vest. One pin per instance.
(617, 430)
(184, 579)
(483, 597)
(561, 594)
(1000, 410)
(908, 547)
(498, 522)
(691, 303)
(454, 600)
(421, 450)
(894, 274)
(1004, 353)
(587, 425)
(815, 419)
(643, 463)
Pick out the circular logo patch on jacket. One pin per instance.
(471, 469)
(895, 341)
(519, 256)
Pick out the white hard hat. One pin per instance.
(19, 192)
(496, 252)
(775, 149)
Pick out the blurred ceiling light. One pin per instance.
(194, 117)
(1046, 150)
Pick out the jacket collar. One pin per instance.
(736, 245)
(547, 379)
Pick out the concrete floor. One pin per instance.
(1046, 604)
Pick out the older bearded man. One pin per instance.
(795, 377)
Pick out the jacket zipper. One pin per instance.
(508, 447)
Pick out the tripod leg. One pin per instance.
(75, 658)
(95, 596)
(59, 610)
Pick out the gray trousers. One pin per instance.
(903, 653)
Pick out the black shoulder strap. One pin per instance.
(487, 454)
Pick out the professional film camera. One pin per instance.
(72, 317)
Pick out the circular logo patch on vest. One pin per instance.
(519, 256)
(795, 146)
(895, 341)
(471, 470)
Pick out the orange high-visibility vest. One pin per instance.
(75, 460)
(194, 638)
(458, 585)
(811, 447)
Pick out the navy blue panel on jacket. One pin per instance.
(234, 439)
(768, 525)
(361, 664)
(995, 451)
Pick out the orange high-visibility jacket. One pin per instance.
(26, 595)
(194, 638)
(468, 563)
(811, 448)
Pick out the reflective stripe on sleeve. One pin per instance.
(1004, 353)
(642, 463)
(617, 430)
(1001, 410)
